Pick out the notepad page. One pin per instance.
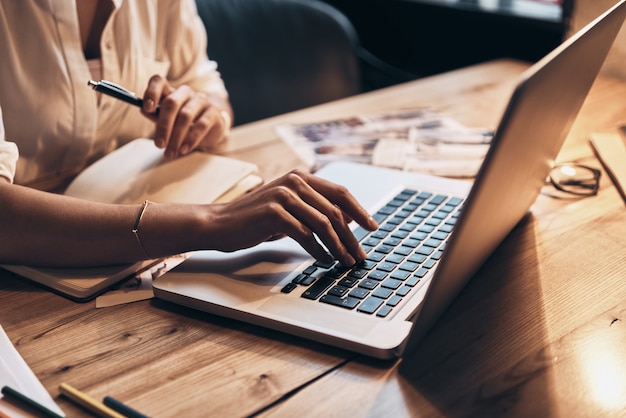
(138, 171)
(14, 372)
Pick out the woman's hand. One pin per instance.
(299, 205)
(187, 119)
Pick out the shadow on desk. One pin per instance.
(488, 351)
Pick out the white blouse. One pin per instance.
(46, 107)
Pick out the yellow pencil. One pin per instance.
(88, 402)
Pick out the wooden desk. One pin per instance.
(540, 331)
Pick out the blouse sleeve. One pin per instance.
(8, 155)
(186, 43)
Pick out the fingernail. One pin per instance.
(184, 150)
(149, 106)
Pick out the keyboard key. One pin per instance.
(394, 258)
(391, 283)
(407, 193)
(368, 284)
(338, 291)
(375, 257)
(413, 280)
(370, 305)
(419, 236)
(336, 272)
(307, 280)
(411, 243)
(432, 242)
(379, 217)
(426, 228)
(424, 250)
(421, 272)
(318, 288)
(384, 311)
(392, 241)
(309, 270)
(394, 300)
(357, 273)
(399, 235)
(386, 266)
(408, 266)
(324, 264)
(403, 251)
(390, 208)
(367, 248)
(403, 291)
(417, 258)
(439, 199)
(366, 265)
(289, 287)
(371, 241)
(387, 227)
(433, 222)
(423, 214)
(400, 275)
(429, 263)
(439, 235)
(436, 255)
(360, 233)
(298, 279)
(348, 281)
(359, 293)
(382, 293)
(377, 275)
(380, 234)
(385, 249)
(348, 303)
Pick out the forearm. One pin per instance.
(46, 229)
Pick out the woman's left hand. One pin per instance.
(187, 119)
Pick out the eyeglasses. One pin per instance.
(575, 179)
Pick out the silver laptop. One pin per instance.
(435, 232)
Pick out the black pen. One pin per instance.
(36, 406)
(122, 408)
(117, 91)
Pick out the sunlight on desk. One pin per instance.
(602, 364)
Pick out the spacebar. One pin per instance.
(318, 287)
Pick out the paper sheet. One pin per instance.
(14, 372)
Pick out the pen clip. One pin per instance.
(117, 87)
(115, 90)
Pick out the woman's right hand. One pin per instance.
(299, 205)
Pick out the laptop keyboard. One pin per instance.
(414, 227)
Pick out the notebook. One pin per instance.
(385, 306)
(131, 174)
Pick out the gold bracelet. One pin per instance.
(135, 229)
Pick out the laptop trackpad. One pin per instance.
(236, 278)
